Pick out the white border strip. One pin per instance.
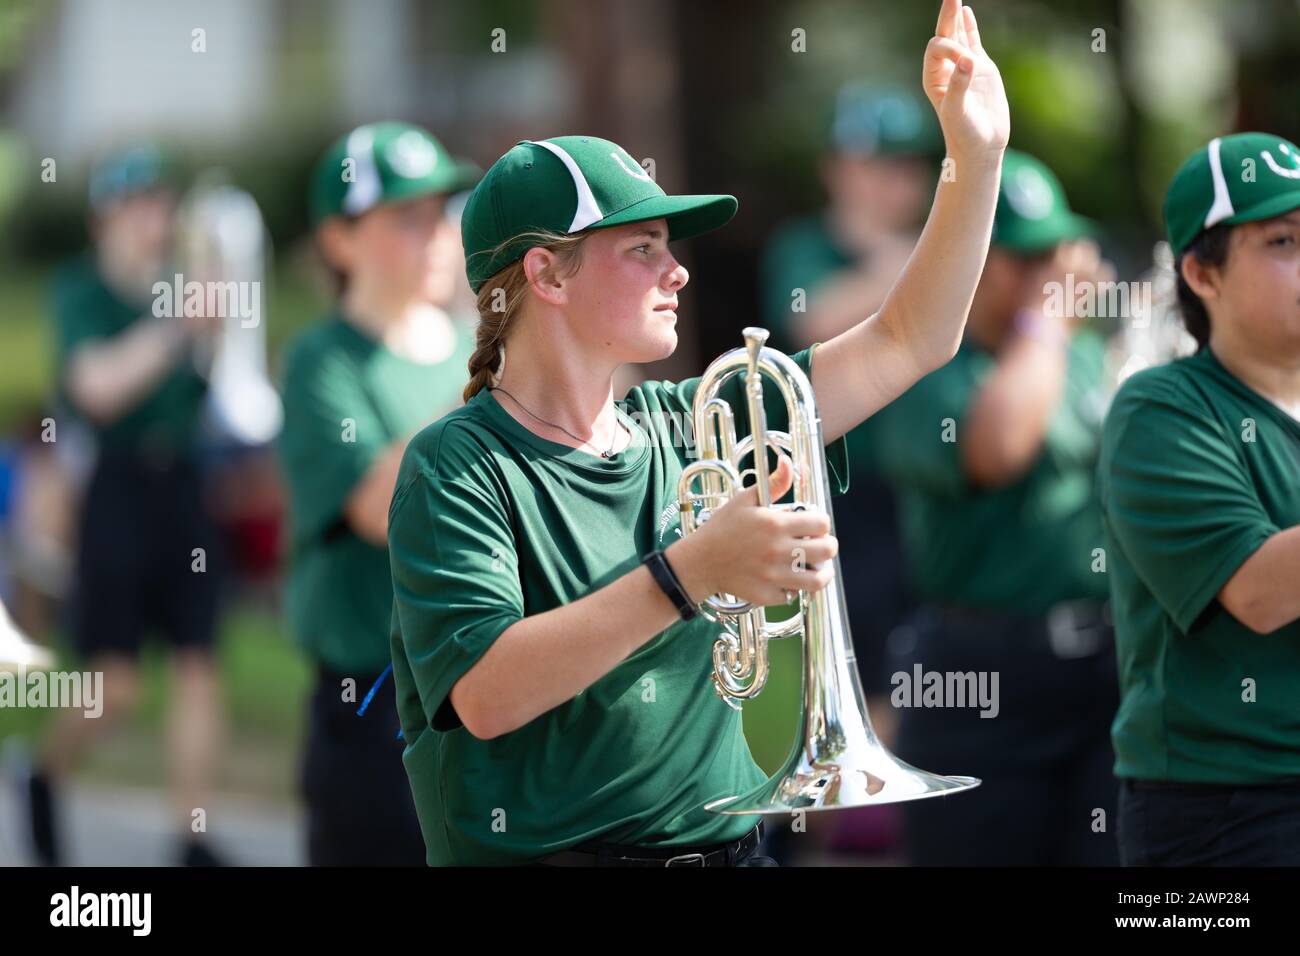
(587, 211)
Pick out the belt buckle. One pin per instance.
(1068, 637)
(694, 858)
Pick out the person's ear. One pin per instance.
(543, 278)
(334, 237)
(1202, 278)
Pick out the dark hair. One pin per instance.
(338, 278)
(501, 298)
(1210, 247)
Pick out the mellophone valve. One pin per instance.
(837, 760)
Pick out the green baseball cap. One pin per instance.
(1234, 179)
(130, 171)
(569, 184)
(382, 163)
(1033, 214)
(874, 120)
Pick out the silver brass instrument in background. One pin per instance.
(17, 652)
(837, 760)
(1153, 332)
(222, 238)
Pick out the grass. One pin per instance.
(265, 680)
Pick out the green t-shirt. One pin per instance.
(1017, 549)
(802, 254)
(166, 419)
(490, 524)
(346, 399)
(1197, 471)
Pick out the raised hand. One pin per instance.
(964, 85)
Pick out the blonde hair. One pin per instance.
(501, 298)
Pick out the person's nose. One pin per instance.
(676, 276)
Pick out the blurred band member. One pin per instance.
(1007, 669)
(131, 375)
(823, 274)
(1200, 487)
(385, 361)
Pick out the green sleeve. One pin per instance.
(917, 436)
(78, 311)
(679, 397)
(455, 582)
(331, 436)
(781, 271)
(1178, 497)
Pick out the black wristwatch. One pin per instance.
(663, 574)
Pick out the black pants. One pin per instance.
(1212, 826)
(137, 569)
(359, 806)
(1048, 794)
(871, 559)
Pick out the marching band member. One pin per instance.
(552, 673)
(387, 360)
(1200, 490)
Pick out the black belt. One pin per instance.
(1068, 629)
(596, 853)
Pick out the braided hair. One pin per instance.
(500, 300)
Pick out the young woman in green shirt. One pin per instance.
(1200, 491)
(553, 704)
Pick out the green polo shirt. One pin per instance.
(165, 420)
(1197, 471)
(1016, 549)
(490, 524)
(346, 399)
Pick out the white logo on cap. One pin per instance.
(1293, 172)
(633, 170)
(1030, 194)
(411, 155)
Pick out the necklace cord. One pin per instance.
(603, 454)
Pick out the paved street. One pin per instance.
(117, 826)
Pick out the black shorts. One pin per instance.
(135, 572)
(875, 582)
(1194, 825)
(1044, 754)
(360, 811)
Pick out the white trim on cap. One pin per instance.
(364, 191)
(1222, 207)
(588, 211)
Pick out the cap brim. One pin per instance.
(1273, 206)
(686, 215)
(448, 179)
(1031, 236)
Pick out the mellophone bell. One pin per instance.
(837, 760)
